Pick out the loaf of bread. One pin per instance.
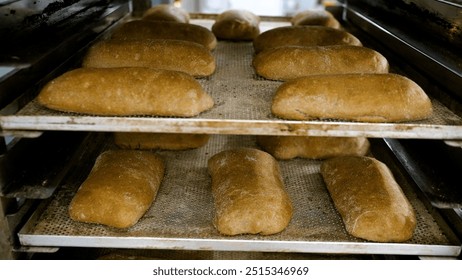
(176, 55)
(126, 91)
(148, 30)
(119, 190)
(162, 141)
(312, 147)
(315, 17)
(303, 36)
(236, 25)
(354, 97)
(166, 12)
(290, 62)
(249, 193)
(369, 200)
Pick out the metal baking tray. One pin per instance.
(242, 106)
(181, 216)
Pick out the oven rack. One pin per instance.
(181, 216)
(242, 106)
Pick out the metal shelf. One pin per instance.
(242, 106)
(181, 216)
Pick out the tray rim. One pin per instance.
(239, 245)
(28, 124)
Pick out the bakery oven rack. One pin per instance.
(182, 214)
(242, 106)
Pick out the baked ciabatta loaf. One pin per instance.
(162, 141)
(313, 147)
(369, 200)
(290, 62)
(126, 91)
(148, 30)
(119, 189)
(166, 12)
(184, 56)
(353, 97)
(315, 17)
(303, 36)
(236, 25)
(248, 192)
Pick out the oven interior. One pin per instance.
(46, 155)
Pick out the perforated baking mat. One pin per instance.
(181, 216)
(242, 106)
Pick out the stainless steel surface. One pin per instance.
(181, 216)
(435, 171)
(42, 36)
(425, 34)
(440, 19)
(33, 168)
(242, 106)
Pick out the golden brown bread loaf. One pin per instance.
(119, 189)
(249, 194)
(237, 25)
(312, 147)
(166, 12)
(355, 97)
(148, 30)
(126, 91)
(163, 141)
(366, 195)
(176, 55)
(315, 17)
(303, 36)
(290, 62)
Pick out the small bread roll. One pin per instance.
(126, 91)
(148, 30)
(119, 189)
(166, 12)
(315, 17)
(162, 141)
(353, 97)
(303, 36)
(184, 56)
(368, 198)
(237, 25)
(290, 62)
(249, 193)
(289, 147)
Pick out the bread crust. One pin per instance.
(236, 25)
(184, 56)
(119, 190)
(126, 91)
(148, 30)
(368, 198)
(303, 36)
(315, 17)
(290, 62)
(166, 12)
(352, 97)
(249, 194)
(162, 141)
(313, 147)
